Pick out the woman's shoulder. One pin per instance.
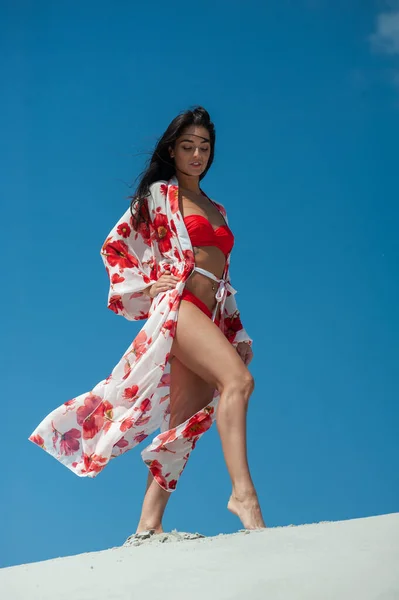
(158, 193)
(159, 187)
(218, 205)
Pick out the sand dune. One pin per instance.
(344, 560)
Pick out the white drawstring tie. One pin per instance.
(221, 292)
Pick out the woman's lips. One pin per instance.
(196, 166)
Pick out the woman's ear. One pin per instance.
(171, 152)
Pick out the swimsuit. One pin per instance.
(202, 233)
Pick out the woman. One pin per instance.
(168, 262)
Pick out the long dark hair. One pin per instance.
(161, 165)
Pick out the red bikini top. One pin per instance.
(202, 233)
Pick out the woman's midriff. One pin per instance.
(212, 259)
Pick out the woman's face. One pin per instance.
(192, 150)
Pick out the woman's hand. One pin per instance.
(245, 352)
(163, 284)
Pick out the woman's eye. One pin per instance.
(190, 148)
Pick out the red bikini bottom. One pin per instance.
(190, 297)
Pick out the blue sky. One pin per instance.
(305, 99)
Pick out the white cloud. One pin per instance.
(386, 37)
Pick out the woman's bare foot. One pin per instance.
(246, 508)
(142, 527)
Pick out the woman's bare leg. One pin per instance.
(188, 394)
(204, 350)
(154, 504)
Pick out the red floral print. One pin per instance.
(91, 416)
(117, 254)
(165, 380)
(174, 298)
(145, 406)
(170, 326)
(155, 466)
(127, 424)
(69, 405)
(168, 436)
(124, 230)
(232, 325)
(69, 443)
(131, 393)
(94, 462)
(108, 409)
(139, 437)
(163, 232)
(152, 265)
(37, 439)
(54, 439)
(116, 278)
(115, 303)
(140, 344)
(70, 402)
(189, 262)
(144, 228)
(106, 427)
(174, 198)
(136, 294)
(122, 443)
(196, 425)
(156, 470)
(127, 369)
(142, 420)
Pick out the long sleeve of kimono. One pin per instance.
(130, 263)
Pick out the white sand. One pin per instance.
(345, 560)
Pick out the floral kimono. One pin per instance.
(133, 401)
